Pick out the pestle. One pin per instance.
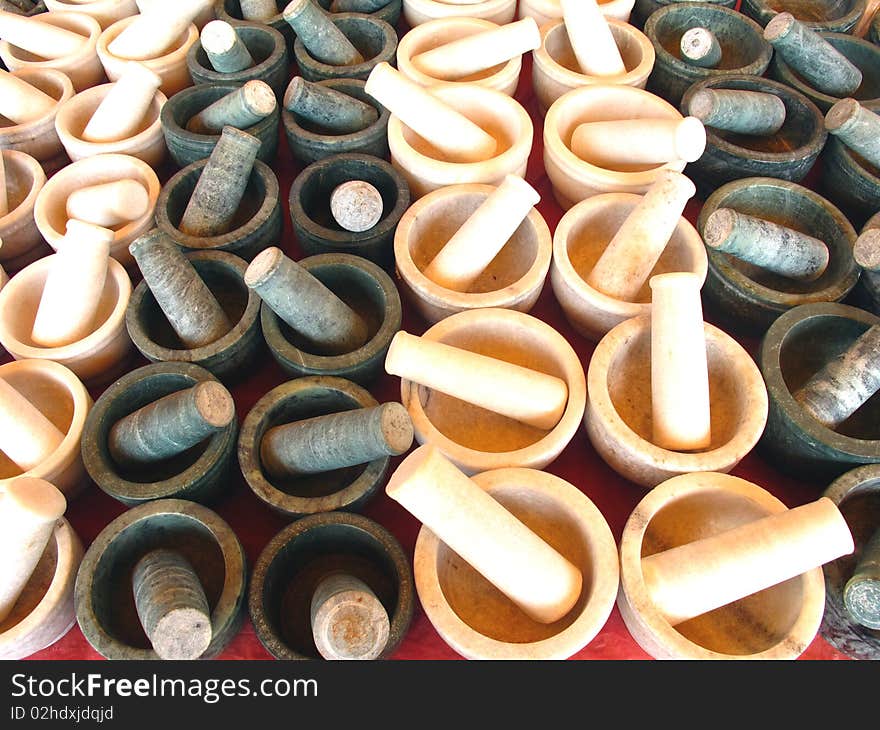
(348, 621)
(357, 6)
(226, 52)
(591, 38)
(813, 57)
(304, 303)
(528, 396)
(700, 47)
(698, 577)
(857, 127)
(482, 236)
(187, 302)
(332, 110)
(29, 511)
(171, 425)
(627, 261)
(109, 204)
(121, 113)
(537, 578)
(456, 136)
(356, 205)
(837, 391)
(73, 286)
(171, 605)
(679, 368)
(480, 51)
(336, 440)
(221, 184)
(743, 112)
(155, 30)
(771, 246)
(861, 594)
(627, 142)
(20, 102)
(246, 106)
(27, 437)
(257, 10)
(320, 35)
(41, 39)
(866, 249)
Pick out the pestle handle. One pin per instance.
(74, 285)
(737, 110)
(109, 204)
(628, 259)
(693, 579)
(591, 39)
(861, 594)
(627, 142)
(528, 396)
(537, 578)
(679, 368)
(320, 35)
(29, 511)
(460, 139)
(226, 52)
(348, 620)
(27, 437)
(35, 35)
(866, 249)
(20, 102)
(152, 32)
(332, 110)
(480, 51)
(482, 236)
(122, 111)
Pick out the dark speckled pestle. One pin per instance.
(320, 36)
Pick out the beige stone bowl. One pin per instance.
(777, 623)
(545, 11)
(582, 235)
(170, 66)
(476, 439)
(480, 622)
(96, 358)
(147, 144)
(38, 137)
(618, 414)
(22, 242)
(424, 166)
(417, 12)
(83, 68)
(106, 12)
(555, 70)
(44, 612)
(513, 280)
(574, 179)
(50, 212)
(503, 77)
(60, 395)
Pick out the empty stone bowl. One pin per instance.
(476, 439)
(743, 48)
(227, 358)
(297, 559)
(50, 211)
(256, 224)
(186, 147)
(370, 292)
(374, 38)
(555, 68)
(417, 12)
(513, 280)
(779, 622)
(543, 11)
(313, 223)
(581, 237)
(350, 488)
(838, 17)
(643, 9)
(106, 12)
(480, 622)
(105, 607)
(789, 154)
(38, 137)
(309, 142)
(747, 298)
(618, 416)
(22, 242)
(147, 143)
(795, 347)
(62, 398)
(267, 47)
(863, 54)
(200, 474)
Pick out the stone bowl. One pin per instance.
(837, 17)
(644, 9)
(230, 11)
(850, 181)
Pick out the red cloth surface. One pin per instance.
(615, 497)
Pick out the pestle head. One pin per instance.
(841, 114)
(259, 97)
(41, 501)
(690, 139)
(866, 250)
(779, 26)
(862, 599)
(356, 205)
(700, 46)
(218, 37)
(109, 204)
(214, 403)
(263, 267)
